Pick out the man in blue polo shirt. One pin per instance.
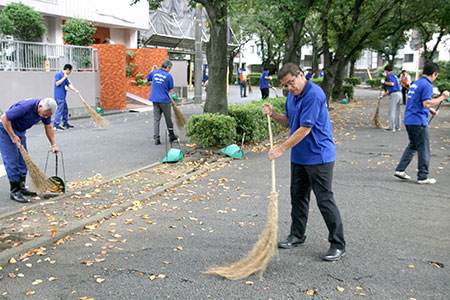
(162, 84)
(264, 83)
(419, 104)
(61, 84)
(13, 126)
(312, 158)
(395, 99)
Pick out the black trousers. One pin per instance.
(318, 178)
(264, 93)
(405, 91)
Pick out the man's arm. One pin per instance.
(72, 87)
(267, 109)
(293, 140)
(435, 101)
(51, 137)
(8, 127)
(59, 82)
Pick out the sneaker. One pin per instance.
(59, 128)
(157, 142)
(402, 175)
(389, 130)
(427, 181)
(68, 126)
(173, 138)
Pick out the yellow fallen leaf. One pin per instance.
(310, 292)
(340, 289)
(30, 292)
(411, 266)
(359, 288)
(249, 282)
(53, 278)
(36, 282)
(12, 260)
(100, 280)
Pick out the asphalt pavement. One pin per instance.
(396, 231)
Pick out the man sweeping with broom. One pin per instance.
(14, 124)
(312, 158)
(162, 84)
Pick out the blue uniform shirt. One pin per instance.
(264, 83)
(308, 75)
(24, 114)
(393, 78)
(61, 90)
(310, 110)
(162, 83)
(420, 91)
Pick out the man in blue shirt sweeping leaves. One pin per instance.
(162, 84)
(312, 158)
(264, 83)
(395, 98)
(62, 83)
(13, 126)
(419, 104)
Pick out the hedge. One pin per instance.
(217, 130)
(255, 77)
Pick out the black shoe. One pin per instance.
(291, 241)
(172, 138)
(68, 126)
(157, 142)
(59, 128)
(334, 254)
(25, 191)
(16, 193)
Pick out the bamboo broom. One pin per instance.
(262, 252)
(40, 181)
(376, 117)
(98, 120)
(179, 117)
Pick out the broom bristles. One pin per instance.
(40, 181)
(376, 117)
(179, 117)
(259, 257)
(98, 120)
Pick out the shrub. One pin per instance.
(443, 86)
(78, 32)
(374, 83)
(353, 80)
(317, 81)
(140, 81)
(211, 129)
(348, 90)
(27, 24)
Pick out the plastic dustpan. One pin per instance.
(173, 155)
(99, 110)
(344, 101)
(175, 97)
(233, 151)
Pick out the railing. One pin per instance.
(28, 56)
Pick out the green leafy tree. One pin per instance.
(78, 32)
(27, 23)
(6, 25)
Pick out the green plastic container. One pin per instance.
(175, 97)
(233, 151)
(173, 155)
(344, 101)
(100, 110)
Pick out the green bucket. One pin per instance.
(233, 151)
(173, 155)
(100, 110)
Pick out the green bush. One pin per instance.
(250, 116)
(317, 81)
(140, 81)
(254, 79)
(218, 130)
(78, 32)
(374, 83)
(353, 80)
(443, 85)
(24, 23)
(211, 130)
(348, 90)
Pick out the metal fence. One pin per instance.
(28, 56)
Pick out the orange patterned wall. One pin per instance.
(111, 60)
(144, 59)
(101, 34)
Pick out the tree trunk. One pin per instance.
(216, 53)
(338, 92)
(352, 68)
(315, 60)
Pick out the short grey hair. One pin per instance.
(48, 104)
(166, 64)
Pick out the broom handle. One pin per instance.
(437, 109)
(82, 99)
(271, 147)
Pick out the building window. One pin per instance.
(408, 58)
(252, 49)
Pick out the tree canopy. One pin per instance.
(22, 21)
(78, 32)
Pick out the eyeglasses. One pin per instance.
(290, 82)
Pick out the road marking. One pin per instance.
(2, 171)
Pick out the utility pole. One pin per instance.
(198, 62)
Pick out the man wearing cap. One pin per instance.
(13, 126)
